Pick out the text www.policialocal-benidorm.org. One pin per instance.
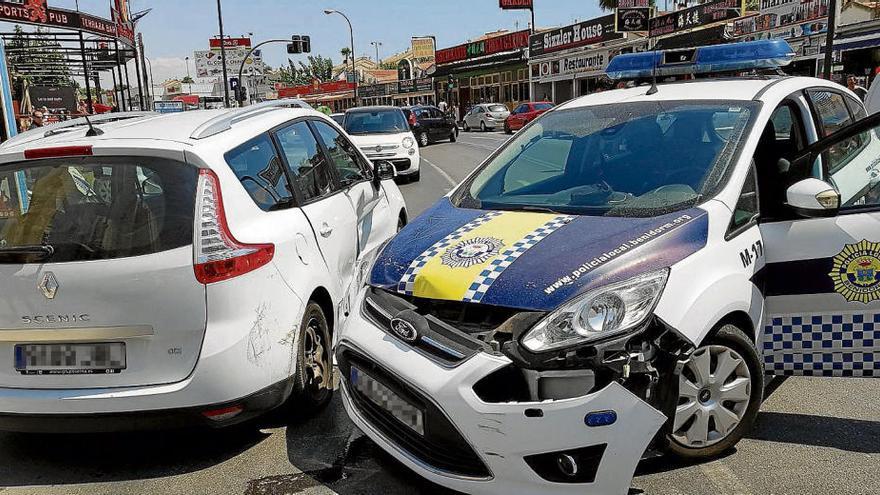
(614, 253)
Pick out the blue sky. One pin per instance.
(177, 27)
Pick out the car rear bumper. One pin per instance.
(511, 441)
(251, 406)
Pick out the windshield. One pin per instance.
(497, 108)
(626, 159)
(543, 106)
(390, 121)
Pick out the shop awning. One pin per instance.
(479, 63)
(862, 40)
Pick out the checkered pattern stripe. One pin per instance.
(822, 345)
(407, 282)
(487, 277)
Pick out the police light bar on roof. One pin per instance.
(748, 55)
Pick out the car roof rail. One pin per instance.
(70, 125)
(224, 121)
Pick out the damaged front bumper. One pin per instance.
(432, 408)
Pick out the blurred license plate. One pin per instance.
(69, 359)
(384, 397)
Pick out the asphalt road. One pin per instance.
(817, 436)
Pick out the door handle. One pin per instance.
(326, 230)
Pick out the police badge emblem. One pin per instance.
(856, 272)
(470, 252)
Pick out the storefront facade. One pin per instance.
(337, 95)
(492, 70)
(570, 61)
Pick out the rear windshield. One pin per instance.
(390, 121)
(93, 208)
(497, 108)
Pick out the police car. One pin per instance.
(619, 277)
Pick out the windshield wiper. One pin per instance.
(41, 251)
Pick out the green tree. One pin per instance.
(297, 74)
(187, 80)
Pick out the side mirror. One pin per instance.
(383, 170)
(813, 198)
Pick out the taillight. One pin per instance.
(218, 256)
(412, 119)
(57, 152)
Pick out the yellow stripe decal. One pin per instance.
(476, 256)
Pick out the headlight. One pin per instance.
(601, 313)
(408, 142)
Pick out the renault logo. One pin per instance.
(49, 285)
(405, 330)
(378, 148)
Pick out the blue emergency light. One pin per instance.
(747, 55)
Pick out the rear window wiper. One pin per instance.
(40, 251)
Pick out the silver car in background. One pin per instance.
(486, 117)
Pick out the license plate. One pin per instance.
(70, 359)
(384, 397)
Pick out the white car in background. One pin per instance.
(180, 269)
(383, 133)
(486, 117)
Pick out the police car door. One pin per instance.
(822, 278)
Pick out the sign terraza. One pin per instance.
(40, 15)
(497, 44)
(579, 34)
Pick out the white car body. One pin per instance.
(770, 278)
(209, 353)
(399, 148)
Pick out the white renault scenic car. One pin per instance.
(180, 269)
(383, 133)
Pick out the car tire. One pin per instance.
(507, 129)
(423, 139)
(467, 128)
(313, 379)
(736, 399)
(482, 126)
(453, 135)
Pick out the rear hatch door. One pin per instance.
(96, 273)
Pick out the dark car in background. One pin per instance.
(429, 124)
(525, 113)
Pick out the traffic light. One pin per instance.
(299, 44)
(295, 46)
(450, 82)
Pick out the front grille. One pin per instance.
(442, 447)
(443, 344)
(402, 164)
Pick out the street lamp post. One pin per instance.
(187, 67)
(240, 97)
(353, 57)
(223, 56)
(377, 44)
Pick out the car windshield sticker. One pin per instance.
(461, 266)
(856, 272)
(614, 253)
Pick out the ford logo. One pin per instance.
(405, 330)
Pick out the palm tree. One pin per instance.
(345, 53)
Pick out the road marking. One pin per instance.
(479, 146)
(441, 172)
(723, 478)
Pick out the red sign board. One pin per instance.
(316, 88)
(515, 4)
(497, 44)
(36, 12)
(231, 43)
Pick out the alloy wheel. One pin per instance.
(483, 126)
(317, 359)
(423, 139)
(714, 394)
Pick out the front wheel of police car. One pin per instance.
(720, 389)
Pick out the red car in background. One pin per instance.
(524, 114)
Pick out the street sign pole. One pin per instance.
(223, 56)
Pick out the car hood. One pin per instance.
(527, 260)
